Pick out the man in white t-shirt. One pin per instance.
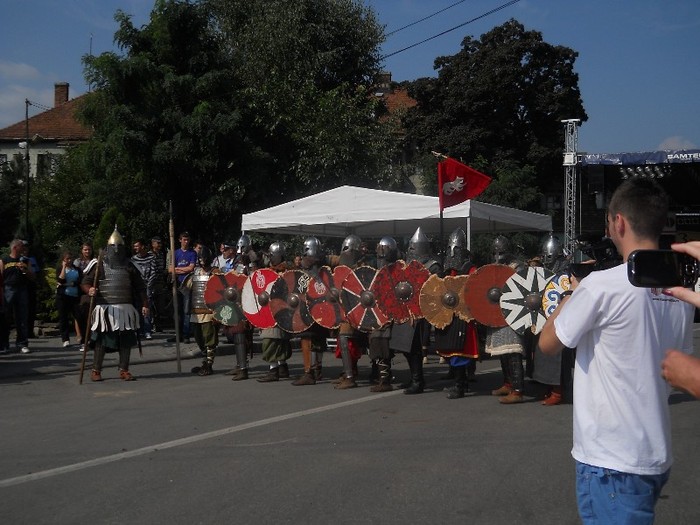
(622, 435)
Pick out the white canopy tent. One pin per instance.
(376, 213)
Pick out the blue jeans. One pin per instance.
(607, 497)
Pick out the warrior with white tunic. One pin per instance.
(115, 320)
(505, 342)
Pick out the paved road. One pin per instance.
(179, 449)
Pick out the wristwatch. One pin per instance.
(566, 293)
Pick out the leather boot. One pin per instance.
(460, 387)
(345, 383)
(504, 390)
(204, 370)
(240, 374)
(417, 381)
(306, 379)
(272, 375)
(553, 398)
(512, 398)
(317, 372)
(284, 371)
(384, 384)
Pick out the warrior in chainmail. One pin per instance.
(115, 320)
(204, 330)
(458, 342)
(349, 339)
(276, 348)
(379, 351)
(505, 342)
(313, 340)
(413, 339)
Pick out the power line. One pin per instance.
(425, 18)
(499, 8)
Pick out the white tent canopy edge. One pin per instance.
(376, 213)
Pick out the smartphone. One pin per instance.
(662, 269)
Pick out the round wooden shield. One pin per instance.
(552, 292)
(288, 301)
(482, 294)
(521, 300)
(441, 298)
(359, 301)
(255, 298)
(222, 295)
(323, 298)
(397, 289)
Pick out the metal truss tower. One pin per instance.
(571, 167)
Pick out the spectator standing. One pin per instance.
(157, 301)
(84, 263)
(622, 430)
(185, 261)
(31, 288)
(17, 273)
(67, 296)
(145, 263)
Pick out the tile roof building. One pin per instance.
(48, 133)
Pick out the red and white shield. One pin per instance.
(255, 298)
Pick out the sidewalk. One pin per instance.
(49, 357)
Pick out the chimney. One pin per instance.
(60, 95)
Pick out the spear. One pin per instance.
(88, 329)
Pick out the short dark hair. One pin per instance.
(644, 203)
(185, 234)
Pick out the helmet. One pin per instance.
(351, 242)
(312, 247)
(276, 253)
(205, 256)
(500, 249)
(551, 248)
(419, 245)
(457, 254)
(457, 243)
(244, 244)
(116, 249)
(387, 249)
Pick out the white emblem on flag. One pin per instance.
(456, 185)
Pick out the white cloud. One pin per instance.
(15, 71)
(677, 142)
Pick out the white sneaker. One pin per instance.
(25, 350)
(148, 336)
(66, 344)
(425, 360)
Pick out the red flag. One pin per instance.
(458, 182)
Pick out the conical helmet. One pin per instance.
(116, 238)
(419, 245)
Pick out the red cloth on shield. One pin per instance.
(458, 182)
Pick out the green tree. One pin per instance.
(11, 207)
(224, 107)
(501, 97)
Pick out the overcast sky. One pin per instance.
(638, 64)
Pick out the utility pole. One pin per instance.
(571, 167)
(26, 167)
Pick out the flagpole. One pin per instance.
(442, 244)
